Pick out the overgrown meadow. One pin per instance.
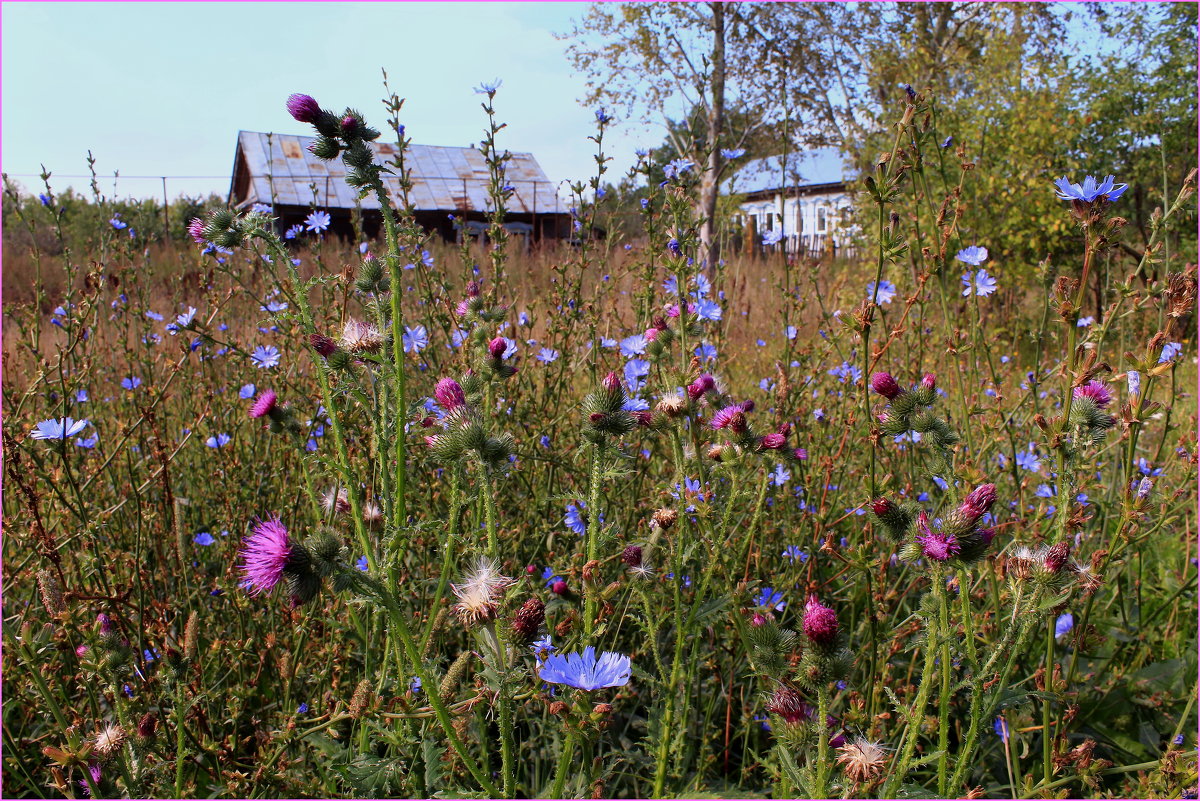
(291, 517)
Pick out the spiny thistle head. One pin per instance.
(665, 518)
(481, 592)
(632, 555)
(820, 622)
(449, 394)
(672, 405)
(497, 347)
(361, 337)
(1095, 391)
(884, 384)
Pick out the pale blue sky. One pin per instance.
(163, 88)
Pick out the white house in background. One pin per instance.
(806, 199)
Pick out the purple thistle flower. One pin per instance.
(264, 404)
(1096, 391)
(265, 554)
(303, 108)
(820, 622)
(936, 545)
(723, 418)
(196, 230)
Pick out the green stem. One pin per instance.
(911, 731)
(564, 760)
(944, 700)
(592, 536)
(179, 732)
(822, 741)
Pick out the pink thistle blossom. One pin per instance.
(196, 230)
(449, 394)
(497, 347)
(265, 554)
(820, 622)
(723, 418)
(611, 382)
(651, 334)
(1096, 391)
(929, 381)
(978, 501)
(936, 545)
(264, 404)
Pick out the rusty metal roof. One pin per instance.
(444, 178)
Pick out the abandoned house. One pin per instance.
(805, 200)
(278, 170)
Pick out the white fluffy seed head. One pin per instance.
(481, 592)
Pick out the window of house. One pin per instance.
(820, 218)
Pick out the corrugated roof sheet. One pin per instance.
(444, 178)
(822, 165)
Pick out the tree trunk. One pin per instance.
(709, 185)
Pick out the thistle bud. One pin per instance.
(528, 620)
(885, 385)
(323, 345)
(701, 385)
(303, 108)
(449, 394)
(559, 587)
(820, 622)
(473, 289)
(643, 417)
(349, 125)
(147, 727)
(787, 704)
(632, 555)
(665, 518)
(325, 148)
(1056, 557)
(774, 442)
(612, 382)
(497, 347)
(978, 502)
(929, 382)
